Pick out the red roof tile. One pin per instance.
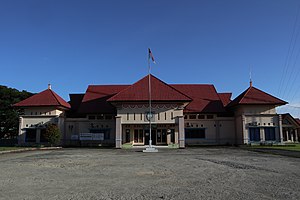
(225, 98)
(205, 98)
(95, 98)
(160, 91)
(45, 98)
(255, 96)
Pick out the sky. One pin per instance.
(75, 43)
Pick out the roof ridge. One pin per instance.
(245, 93)
(172, 87)
(52, 92)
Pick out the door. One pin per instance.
(254, 134)
(147, 137)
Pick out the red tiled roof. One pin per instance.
(255, 96)
(160, 91)
(95, 98)
(225, 98)
(204, 98)
(45, 98)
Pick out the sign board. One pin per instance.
(91, 136)
(74, 137)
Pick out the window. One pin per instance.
(138, 136)
(254, 134)
(92, 117)
(165, 115)
(30, 135)
(158, 116)
(185, 116)
(195, 133)
(172, 115)
(109, 117)
(201, 116)
(127, 116)
(209, 116)
(141, 116)
(270, 134)
(192, 116)
(100, 117)
(133, 116)
(43, 138)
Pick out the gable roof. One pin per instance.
(95, 98)
(225, 98)
(204, 98)
(160, 91)
(257, 97)
(45, 98)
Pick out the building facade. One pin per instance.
(181, 114)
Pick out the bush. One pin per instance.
(52, 134)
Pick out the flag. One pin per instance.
(151, 56)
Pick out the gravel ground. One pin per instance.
(192, 173)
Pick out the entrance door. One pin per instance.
(254, 134)
(161, 136)
(147, 137)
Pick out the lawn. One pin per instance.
(290, 147)
(10, 148)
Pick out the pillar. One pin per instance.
(262, 134)
(245, 136)
(296, 135)
(280, 129)
(38, 136)
(181, 134)
(21, 135)
(118, 132)
(287, 135)
(292, 136)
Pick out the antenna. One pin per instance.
(250, 76)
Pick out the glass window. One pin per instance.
(195, 133)
(192, 116)
(270, 134)
(92, 117)
(201, 116)
(30, 135)
(254, 134)
(209, 116)
(100, 117)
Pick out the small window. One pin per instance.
(127, 116)
(92, 117)
(141, 116)
(172, 115)
(185, 116)
(100, 117)
(133, 116)
(165, 115)
(192, 116)
(209, 116)
(158, 116)
(201, 116)
(109, 117)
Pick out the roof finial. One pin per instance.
(49, 86)
(250, 74)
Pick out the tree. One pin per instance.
(9, 117)
(52, 134)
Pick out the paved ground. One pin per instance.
(193, 173)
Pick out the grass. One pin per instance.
(289, 147)
(10, 148)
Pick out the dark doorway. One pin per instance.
(127, 136)
(147, 137)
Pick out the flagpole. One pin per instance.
(150, 114)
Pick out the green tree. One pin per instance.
(52, 134)
(9, 117)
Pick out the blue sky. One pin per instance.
(72, 44)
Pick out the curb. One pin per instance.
(29, 149)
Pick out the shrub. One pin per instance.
(52, 134)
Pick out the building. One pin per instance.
(182, 114)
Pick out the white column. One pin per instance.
(262, 134)
(287, 135)
(181, 133)
(296, 135)
(21, 135)
(280, 129)
(292, 136)
(118, 132)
